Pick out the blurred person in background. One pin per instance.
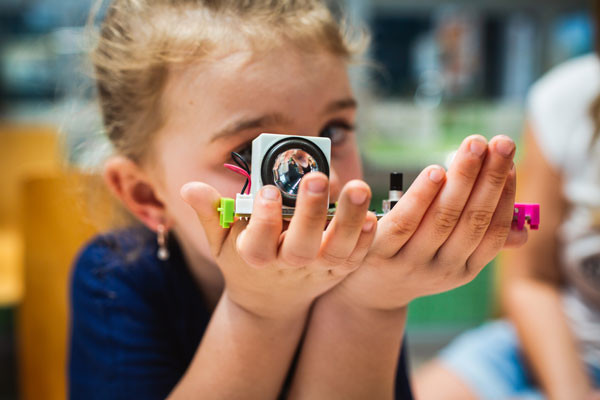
(549, 345)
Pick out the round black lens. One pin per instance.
(288, 161)
(290, 167)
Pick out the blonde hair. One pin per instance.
(140, 40)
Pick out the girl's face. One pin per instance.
(220, 106)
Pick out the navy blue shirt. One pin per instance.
(136, 321)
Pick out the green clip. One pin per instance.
(226, 212)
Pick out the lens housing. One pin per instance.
(287, 187)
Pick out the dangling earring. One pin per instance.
(161, 238)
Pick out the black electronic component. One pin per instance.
(396, 181)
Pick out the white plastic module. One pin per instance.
(243, 203)
(262, 144)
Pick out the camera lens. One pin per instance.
(288, 161)
(290, 167)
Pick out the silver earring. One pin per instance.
(161, 238)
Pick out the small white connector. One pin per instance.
(243, 203)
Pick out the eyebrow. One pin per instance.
(243, 123)
(340, 105)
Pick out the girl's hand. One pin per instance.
(443, 231)
(274, 273)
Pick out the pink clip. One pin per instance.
(527, 212)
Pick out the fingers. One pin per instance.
(396, 228)
(443, 215)
(365, 240)
(264, 228)
(204, 199)
(516, 237)
(482, 203)
(303, 237)
(342, 234)
(500, 226)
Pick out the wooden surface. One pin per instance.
(59, 214)
(11, 266)
(25, 150)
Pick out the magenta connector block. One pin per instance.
(527, 212)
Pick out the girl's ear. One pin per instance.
(131, 185)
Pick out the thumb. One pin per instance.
(204, 199)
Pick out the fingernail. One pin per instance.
(317, 186)
(368, 226)
(436, 175)
(505, 146)
(269, 193)
(478, 146)
(358, 197)
(184, 189)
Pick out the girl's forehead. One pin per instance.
(249, 66)
(246, 79)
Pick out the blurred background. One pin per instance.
(438, 71)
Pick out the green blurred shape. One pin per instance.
(466, 306)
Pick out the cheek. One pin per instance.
(346, 166)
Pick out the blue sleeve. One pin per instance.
(120, 347)
(403, 389)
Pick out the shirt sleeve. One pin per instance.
(118, 345)
(403, 390)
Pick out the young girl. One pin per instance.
(182, 84)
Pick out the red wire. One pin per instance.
(240, 171)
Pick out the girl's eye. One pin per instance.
(337, 131)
